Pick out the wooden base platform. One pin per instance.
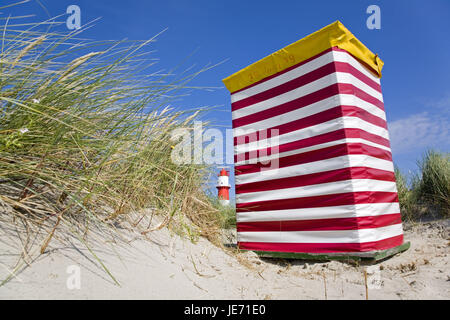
(370, 256)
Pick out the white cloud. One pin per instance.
(422, 130)
(443, 103)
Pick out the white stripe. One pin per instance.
(347, 57)
(296, 93)
(285, 77)
(296, 114)
(222, 181)
(347, 161)
(312, 131)
(311, 87)
(326, 104)
(343, 77)
(334, 236)
(302, 70)
(262, 158)
(321, 189)
(346, 211)
(352, 100)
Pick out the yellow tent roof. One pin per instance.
(333, 35)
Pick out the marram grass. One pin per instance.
(433, 184)
(85, 137)
(426, 193)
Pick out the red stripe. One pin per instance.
(353, 111)
(354, 223)
(288, 69)
(286, 87)
(303, 80)
(351, 89)
(295, 104)
(369, 69)
(308, 142)
(323, 247)
(328, 200)
(358, 133)
(317, 155)
(361, 148)
(312, 120)
(348, 68)
(316, 178)
(319, 95)
(365, 65)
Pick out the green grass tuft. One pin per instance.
(85, 135)
(426, 193)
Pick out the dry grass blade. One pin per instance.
(85, 136)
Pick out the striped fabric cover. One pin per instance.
(333, 186)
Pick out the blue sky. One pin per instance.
(413, 42)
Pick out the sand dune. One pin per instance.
(165, 266)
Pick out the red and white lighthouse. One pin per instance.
(223, 186)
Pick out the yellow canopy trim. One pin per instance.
(333, 35)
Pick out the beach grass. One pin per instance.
(85, 135)
(426, 192)
(433, 184)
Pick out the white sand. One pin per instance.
(165, 266)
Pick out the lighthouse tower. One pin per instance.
(223, 185)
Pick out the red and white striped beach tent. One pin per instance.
(313, 164)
